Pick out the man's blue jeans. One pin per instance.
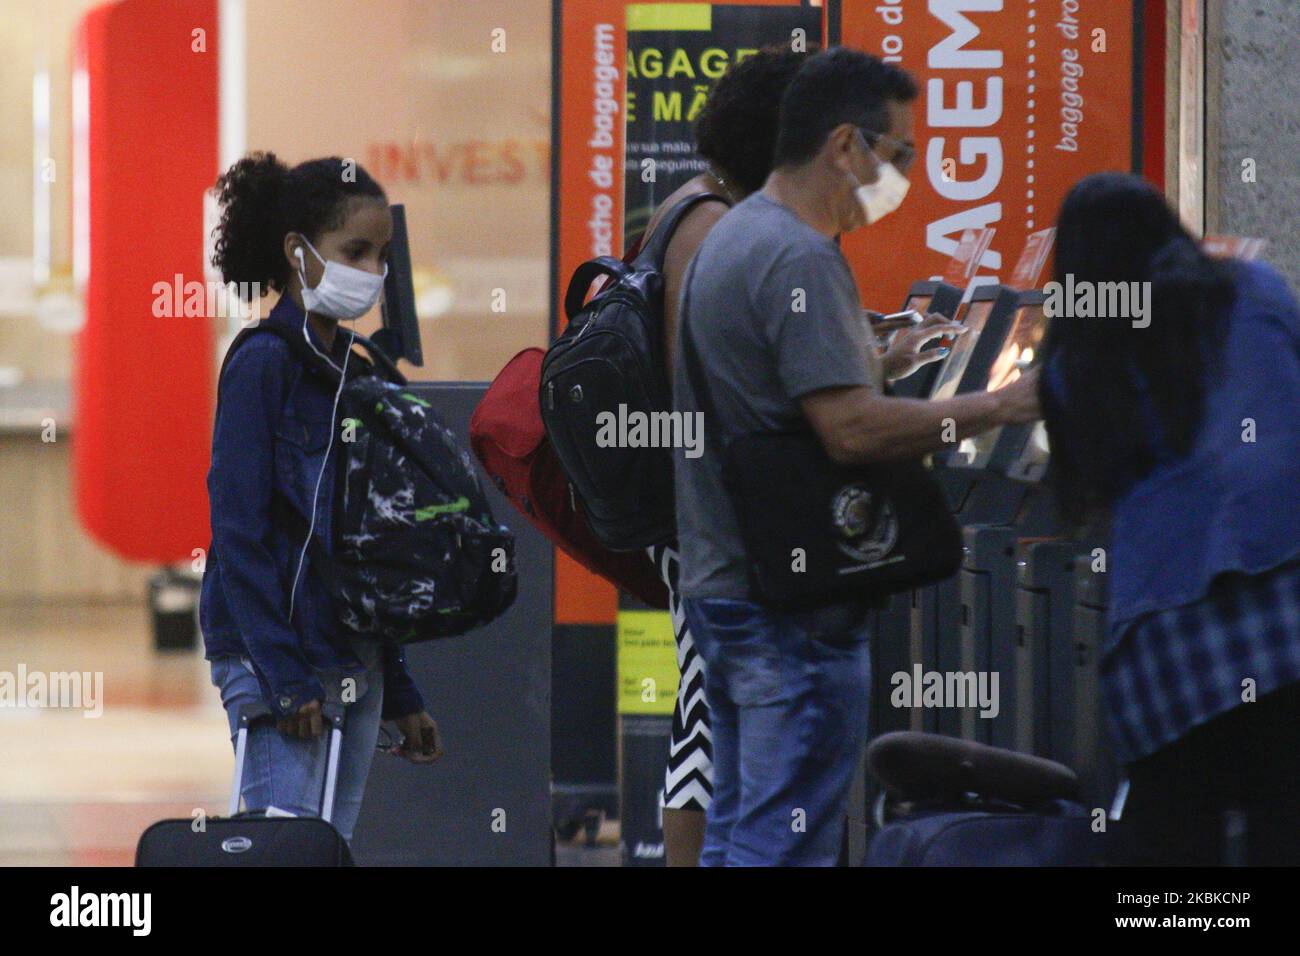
(788, 698)
(289, 772)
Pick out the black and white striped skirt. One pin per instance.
(688, 778)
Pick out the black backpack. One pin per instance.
(611, 355)
(416, 551)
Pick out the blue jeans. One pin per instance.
(788, 694)
(289, 772)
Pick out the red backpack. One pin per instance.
(507, 435)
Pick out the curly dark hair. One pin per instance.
(736, 130)
(262, 199)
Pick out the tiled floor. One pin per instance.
(80, 789)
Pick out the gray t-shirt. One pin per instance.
(775, 315)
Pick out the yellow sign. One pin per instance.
(647, 663)
(670, 16)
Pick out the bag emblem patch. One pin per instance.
(867, 531)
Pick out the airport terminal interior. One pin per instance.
(514, 136)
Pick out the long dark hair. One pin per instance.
(1118, 398)
(262, 199)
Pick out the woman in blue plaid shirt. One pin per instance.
(1183, 427)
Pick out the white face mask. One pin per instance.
(886, 194)
(343, 292)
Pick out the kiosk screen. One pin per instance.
(918, 303)
(1021, 346)
(976, 314)
(1019, 352)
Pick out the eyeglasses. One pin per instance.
(904, 154)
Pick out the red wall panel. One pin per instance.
(143, 384)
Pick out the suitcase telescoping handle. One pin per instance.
(249, 714)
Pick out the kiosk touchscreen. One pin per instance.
(974, 316)
(999, 447)
(926, 297)
(400, 335)
(932, 296)
(992, 319)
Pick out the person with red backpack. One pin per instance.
(604, 506)
(736, 134)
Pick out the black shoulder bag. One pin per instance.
(818, 533)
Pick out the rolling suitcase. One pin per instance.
(950, 802)
(252, 838)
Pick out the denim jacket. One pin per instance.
(1229, 505)
(272, 430)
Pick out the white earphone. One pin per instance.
(343, 374)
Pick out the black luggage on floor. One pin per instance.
(254, 839)
(950, 802)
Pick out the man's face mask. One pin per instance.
(886, 194)
(344, 292)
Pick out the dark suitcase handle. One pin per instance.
(920, 767)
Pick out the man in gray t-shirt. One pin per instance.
(778, 326)
(775, 315)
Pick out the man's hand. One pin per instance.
(307, 722)
(905, 356)
(421, 742)
(885, 327)
(1018, 400)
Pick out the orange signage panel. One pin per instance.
(1019, 100)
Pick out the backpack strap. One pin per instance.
(308, 356)
(652, 253)
(650, 257)
(694, 367)
(587, 273)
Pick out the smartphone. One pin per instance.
(911, 315)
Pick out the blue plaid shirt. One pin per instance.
(1205, 581)
(1179, 668)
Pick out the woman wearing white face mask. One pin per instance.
(318, 234)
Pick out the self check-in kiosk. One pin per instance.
(400, 335)
(493, 689)
(1044, 658)
(1017, 580)
(1047, 699)
(975, 493)
(1094, 762)
(1007, 505)
(891, 647)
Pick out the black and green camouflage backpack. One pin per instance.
(416, 552)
